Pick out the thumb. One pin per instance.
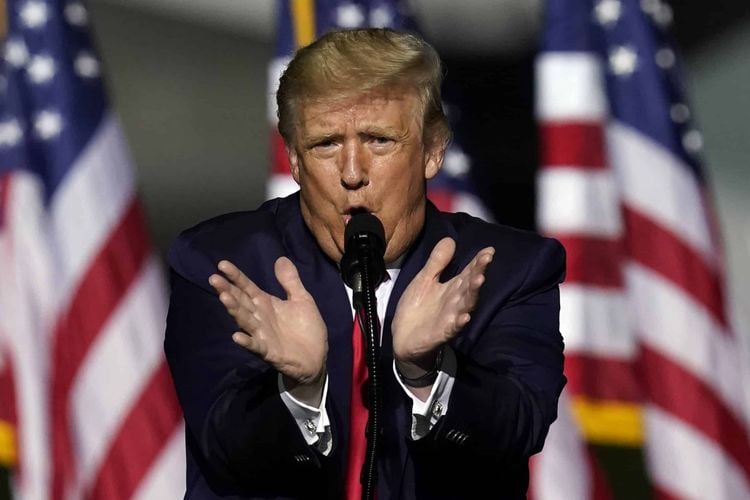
(288, 277)
(439, 259)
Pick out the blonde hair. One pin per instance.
(353, 62)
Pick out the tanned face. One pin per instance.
(363, 154)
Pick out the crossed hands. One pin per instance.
(290, 333)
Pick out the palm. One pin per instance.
(431, 313)
(287, 333)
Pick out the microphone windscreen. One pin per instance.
(364, 223)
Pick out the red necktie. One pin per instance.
(357, 417)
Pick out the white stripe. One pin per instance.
(89, 202)
(562, 470)
(166, 478)
(280, 185)
(595, 320)
(570, 86)
(119, 365)
(470, 204)
(27, 313)
(688, 465)
(579, 201)
(660, 186)
(673, 324)
(275, 69)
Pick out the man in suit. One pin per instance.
(259, 333)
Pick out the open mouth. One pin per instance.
(354, 210)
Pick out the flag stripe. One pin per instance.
(569, 87)
(153, 419)
(668, 321)
(572, 143)
(609, 422)
(660, 186)
(616, 379)
(685, 464)
(680, 393)
(593, 260)
(124, 345)
(578, 201)
(106, 280)
(168, 470)
(658, 249)
(101, 178)
(595, 321)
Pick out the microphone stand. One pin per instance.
(365, 305)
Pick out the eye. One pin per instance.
(379, 140)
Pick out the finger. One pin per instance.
(238, 278)
(247, 341)
(439, 259)
(289, 278)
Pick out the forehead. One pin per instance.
(391, 108)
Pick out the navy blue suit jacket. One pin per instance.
(242, 441)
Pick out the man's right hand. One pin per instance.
(289, 334)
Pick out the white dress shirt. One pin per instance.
(313, 422)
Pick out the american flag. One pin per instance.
(299, 23)
(650, 355)
(82, 298)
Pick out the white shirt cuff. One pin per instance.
(313, 422)
(425, 414)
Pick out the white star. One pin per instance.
(623, 60)
(650, 6)
(10, 133)
(663, 15)
(16, 53)
(349, 15)
(607, 12)
(34, 14)
(692, 141)
(665, 58)
(381, 17)
(86, 65)
(456, 163)
(679, 112)
(76, 14)
(41, 69)
(48, 124)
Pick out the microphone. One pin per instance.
(363, 268)
(364, 247)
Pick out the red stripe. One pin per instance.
(152, 421)
(572, 144)
(442, 198)
(278, 152)
(598, 377)
(658, 493)
(663, 252)
(4, 195)
(593, 260)
(100, 291)
(679, 392)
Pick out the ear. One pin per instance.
(434, 154)
(291, 153)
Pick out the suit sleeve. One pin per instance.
(241, 432)
(509, 367)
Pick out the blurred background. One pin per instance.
(189, 79)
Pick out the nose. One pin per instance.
(354, 171)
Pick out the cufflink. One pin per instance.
(437, 409)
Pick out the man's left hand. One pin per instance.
(431, 313)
